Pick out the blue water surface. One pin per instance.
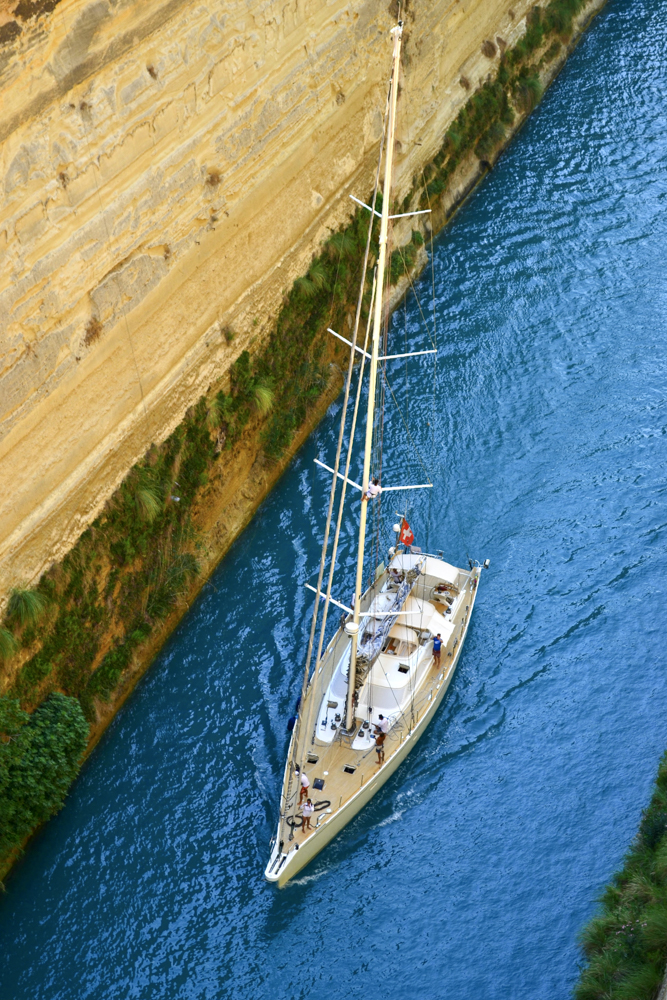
(472, 871)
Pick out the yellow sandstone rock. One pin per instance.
(169, 167)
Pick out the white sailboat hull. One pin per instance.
(286, 863)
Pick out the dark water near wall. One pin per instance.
(471, 873)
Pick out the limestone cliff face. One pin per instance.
(168, 168)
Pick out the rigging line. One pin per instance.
(120, 297)
(433, 468)
(407, 429)
(379, 437)
(435, 363)
(304, 686)
(376, 320)
(378, 512)
(332, 495)
(369, 238)
(377, 464)
(433, 463)
(433, 338)
(362, 286)
(414, 292)
(375, 562)
(333, 293)
(407, 273)
(327, 600)
(341, 507)
(430, 230)
(332, 565)
(405, 341)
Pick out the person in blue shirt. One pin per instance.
(437, 648)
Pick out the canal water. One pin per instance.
(472, 871)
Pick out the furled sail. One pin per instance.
(368, 650)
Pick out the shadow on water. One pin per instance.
(473, 869)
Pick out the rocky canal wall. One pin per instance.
(168, 169)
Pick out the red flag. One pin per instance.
(406, 536)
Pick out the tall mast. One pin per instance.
(352, 627)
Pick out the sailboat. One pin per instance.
(376, 686)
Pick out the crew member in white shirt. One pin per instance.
(374, 490)
(307, 812)
(305, 785)
(382, 726)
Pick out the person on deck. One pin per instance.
(307, 812)
(374, 490)
(305, 785)
(437, 649)
(382, 726)
(379, 747)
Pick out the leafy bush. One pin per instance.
(652, 829)
(32, 674)
(263, 397)
(40, 755)
(527, 92)
(490, 139)
(400, 262)
(106, 677)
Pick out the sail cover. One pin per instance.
(368, 650)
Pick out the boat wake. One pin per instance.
(394, 818)
(309, 878)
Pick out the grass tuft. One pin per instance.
(8, 644)
(264, 397)
(148, 497)
(26, 606)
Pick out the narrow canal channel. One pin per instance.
(471, 873)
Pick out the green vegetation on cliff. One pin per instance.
(625, 944)
(76, 632)
(40, 756)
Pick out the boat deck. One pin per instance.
(341, 785)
